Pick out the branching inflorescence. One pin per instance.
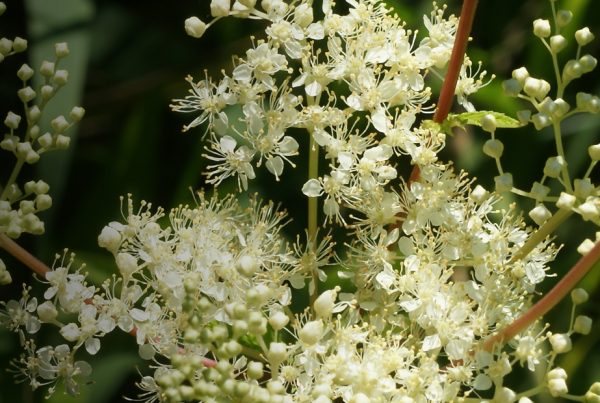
(441, 278)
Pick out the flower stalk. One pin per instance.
(23, 256)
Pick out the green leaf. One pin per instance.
(474, 119)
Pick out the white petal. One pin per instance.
(312, 188)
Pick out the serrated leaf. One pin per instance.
(474, 119)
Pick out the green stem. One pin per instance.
(549, 301)
(13, 177)
(561, 152)
(313, 173)
(538, 236)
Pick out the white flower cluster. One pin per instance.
(365, 65)
(435, 267)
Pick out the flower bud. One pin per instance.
(45, 140)
(26, 94)
(47, 69)
(488, 123)
(61, 50)
(77, 113)
(278, 320)
(554, 166)
(25, 72)
(47, 92)
(19, 45)
(511, 87)
(584, 36)
(303, 15)
(109, 238)
(504, 182)
(540, 214)
(585, 247)
(594, 152)
(126, 263)
(493, 148)
(588, 63)
(583, 324)
(541, 28)
(583, 188)
(524, 116)
(557, 387)
(566, 201)
(5, 46)
(311, 332)
(277, 352)
(34, 114)
(220, 8)
(324, 304)
(587, 102)
(2, 7)
(563, 18)
(536, 88)
(579, 296)
(59, 124)
(520, 74)
(247, 265)
(62, 142)
(47, 312)
(43, 202)
(255, 370)
(558, 43)
(572, 70)
(479, 194)
(12, 120)
(539, 191)
(194, 27)
(561, 343)
(60, 77)
(588, 211)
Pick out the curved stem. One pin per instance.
(549, 301)
(445, 100)
(23, 256)
(467, 15)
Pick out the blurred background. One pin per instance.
(129, 59)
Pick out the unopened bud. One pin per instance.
(584, 36)
(583, 324)
(540, 214)
(558, 43)
(541, 28)
(563, 18)
(493, 148)
(194, 27)
(504, 182)
(579, 296)
(554, 166)
(25, 72)
(61, 50)
(561, 343)
(488, 123)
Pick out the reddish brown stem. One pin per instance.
(461, 39)
(467, 15)
(549, 301)
(23, 256)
